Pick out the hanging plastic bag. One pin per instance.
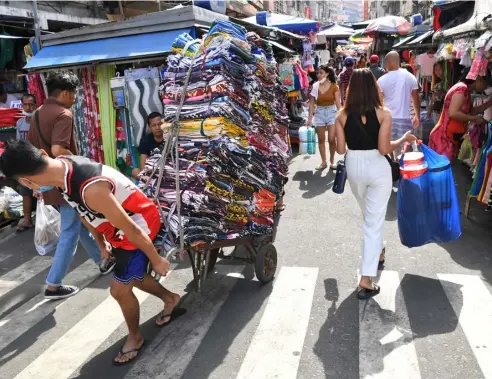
(466, 151)
(428, 207)
(47, 231)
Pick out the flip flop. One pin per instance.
(333, 167)
(23, 227)
(322, 167)
(281, 209)
(366, 293)
(121, 352)
(176, 313)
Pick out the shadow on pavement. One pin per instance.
(338, 343)
(313, 183)
(473, 249)
(422, 299)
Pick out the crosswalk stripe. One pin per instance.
(475, 316)
(4, 257)
(78, 343)
(275, 350)
(400, 360)
(179, 342)
(23, 273)
(25, 317)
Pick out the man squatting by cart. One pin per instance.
(117, 213)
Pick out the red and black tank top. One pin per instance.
(81, 172)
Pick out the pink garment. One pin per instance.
(303, 76)
(479, 66)
(439, 140)
(426, 63)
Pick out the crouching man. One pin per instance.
(117, 213)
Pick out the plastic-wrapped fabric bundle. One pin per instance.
(232, 140)
(428, 207)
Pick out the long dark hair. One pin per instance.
(363, 93)
(332, 77)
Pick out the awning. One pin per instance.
(290, 23)
(105, 50)
(336, 30)
(280, 46)
(478, 22)
(421, 38)
(403, 41)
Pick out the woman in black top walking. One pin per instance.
(364, 125)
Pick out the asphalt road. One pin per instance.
(432, 320)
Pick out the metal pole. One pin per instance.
(37, 26)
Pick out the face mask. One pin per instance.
(45, 188)
(322, 80)
(27, 114)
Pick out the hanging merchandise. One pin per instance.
(142, 87)
(78, 110)
(118, 91)
(428, 207)
(107, 113)
(223, 166)
(36, 88)
(91, 115)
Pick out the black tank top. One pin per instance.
(359, 136)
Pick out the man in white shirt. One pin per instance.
(5, 99)
(399, 87)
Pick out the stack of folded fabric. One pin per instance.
(232, 139)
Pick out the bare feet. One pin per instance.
(130, 350)
(169, 304)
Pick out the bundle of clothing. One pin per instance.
(232, 141)
(9, 117)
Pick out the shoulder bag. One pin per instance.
(340, 177)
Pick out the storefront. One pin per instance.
(121, 67)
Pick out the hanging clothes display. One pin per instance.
(143, 96)
(91, 114)
(36, 88)
(79, 123)
(232, 142)
(107, 113)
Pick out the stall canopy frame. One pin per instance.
(105, 50)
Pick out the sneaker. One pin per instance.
(61, 292)
(106, 266)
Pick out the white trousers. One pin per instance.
(369, 176)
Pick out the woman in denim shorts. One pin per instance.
(324, 104)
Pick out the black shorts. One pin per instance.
(130, 265)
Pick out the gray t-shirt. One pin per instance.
(22, 128)
(8, 102)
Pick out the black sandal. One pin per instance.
(366, 293)
(122, 353)
(176, 313)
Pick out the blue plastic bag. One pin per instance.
(428, 207)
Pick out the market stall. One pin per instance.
(118, 89)
(468, 44)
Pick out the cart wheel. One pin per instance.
(214, 255)
(266, 263)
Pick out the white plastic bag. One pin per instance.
(47, 231)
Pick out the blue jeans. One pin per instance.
(71, 230)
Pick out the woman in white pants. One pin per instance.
(364, 125)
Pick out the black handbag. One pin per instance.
(395, 168)
(340, 177)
